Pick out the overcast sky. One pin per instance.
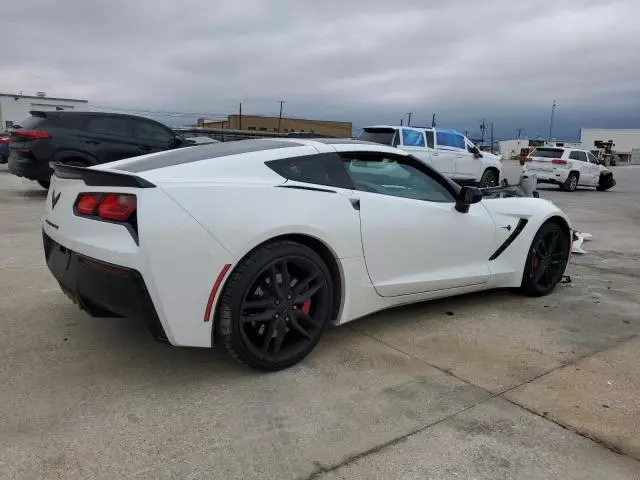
(362, 61)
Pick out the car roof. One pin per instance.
(254, 151)
(68, 113)
(395, 127)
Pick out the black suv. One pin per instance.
(83, 139)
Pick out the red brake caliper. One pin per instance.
(536, 262)
(306, 306)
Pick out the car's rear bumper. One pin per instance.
(29, 168)
(556, 176)
(102, 289)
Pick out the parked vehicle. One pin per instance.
(447, 151)
(524, 153)
(257, 245)
(568, 168)
(4, 147)
(83, 139)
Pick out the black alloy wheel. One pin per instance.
(547, 260)
(276, 306)
(571, 184)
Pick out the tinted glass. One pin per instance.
(573, 156)
(151, 131)
(378, 135)
(412, 138)
(592, 158)
(582, 156)
(108, 126)
(430, 139)
(450, 139)
(395, 176)
(321, 169)
(32, 123)
(547, 152)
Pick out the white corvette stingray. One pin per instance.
(258, 245)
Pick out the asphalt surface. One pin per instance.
(485, 386)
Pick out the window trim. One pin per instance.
(411, 160)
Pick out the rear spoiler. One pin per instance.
(100, 178)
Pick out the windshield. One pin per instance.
(378, 135)
(548, 152)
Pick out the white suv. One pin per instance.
(568, 167)
(447, 151)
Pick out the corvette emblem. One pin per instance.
(54, 199)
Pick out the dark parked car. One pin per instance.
(83, 139)
(4, 147)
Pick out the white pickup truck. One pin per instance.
(447, 151)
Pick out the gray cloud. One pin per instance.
(366, 61)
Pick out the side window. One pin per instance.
(150, 131)
(108, 126)
(573, 155)
(430, 139)
(321, 169)
(592, 158)
(450, 139)
(412, 138)
(582, 156)
(395, 176)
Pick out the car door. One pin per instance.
(594, 168)
(152, 136)
(582, 164)
(445, 153)
(413, 238)
(468, 165)
(108, 138)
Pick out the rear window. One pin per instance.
(31, 123)
(547, 152)
(378, 135)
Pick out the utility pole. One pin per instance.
(519, 132)
(433, 120)
(409, 119)
(401, 120)
(240, 118)
(483, 127)
(491, 137)
(280, 116)
(553, 111)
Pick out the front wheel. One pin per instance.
(489, 179)
(546, 261)
(275, 306)
(571, 183)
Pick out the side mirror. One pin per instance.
(476, 152)
(468, 196)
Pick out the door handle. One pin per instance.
(435, 154)
(92, 142)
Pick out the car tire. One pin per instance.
(571, 183)
(547, 260)
(606, 182)
(267, 322)
(3, 159)
(44, 184)
(490, 178)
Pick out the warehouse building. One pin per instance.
(260, 123)
(626, 141)
(15, 107)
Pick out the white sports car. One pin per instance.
(258, 245)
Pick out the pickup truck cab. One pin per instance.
(448, 151)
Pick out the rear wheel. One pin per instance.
(571, 183)
(275, 306)
(546, 261)
(489, 178)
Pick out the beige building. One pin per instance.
(270, 124)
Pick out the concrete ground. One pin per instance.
(485, 386)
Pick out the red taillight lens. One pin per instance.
(88, 203)
(117, 207)
(30, 134)
(557, 161)
(5, 139)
